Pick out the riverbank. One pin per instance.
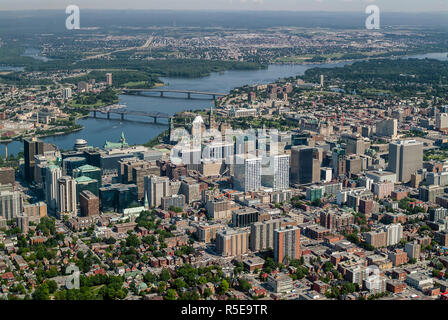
(330, 61)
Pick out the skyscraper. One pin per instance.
(86, 183)
(31, 148)
(339, 162)
(355, 144)
(405, 158)
(72, 163)
(66, 196)
(305, 165)
(52, 175)
(286, 244)
(89, 204)
(88, 171)
(156, 188)
(247, 174)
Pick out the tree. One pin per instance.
(224, 286)
(179, 283)
(328, 266)
(348, 287)
(132, 241)
(207, 293)
(170, 294)
(244, 285)
(41, 293)
(165, 275)
(162, 286)
(52, 285)
(150, 277)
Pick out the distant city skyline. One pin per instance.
(295, 5)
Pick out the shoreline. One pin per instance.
(392, 57)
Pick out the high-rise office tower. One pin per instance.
(355, 144)
(247, 173)
(405, 158)
(339, 162)
(387, 128)
(276, 174)
(31, 148)
(89, 204)
(155, 189)
(40, 163)
(117, 197)
(72, 163)
(286, 244)
(89, 171)
(305, 165)
(66, 196)
(86, 183)
(52, 175)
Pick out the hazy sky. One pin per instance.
(296, 5)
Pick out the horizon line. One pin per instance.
(224, 10)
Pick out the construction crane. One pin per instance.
(228, 193)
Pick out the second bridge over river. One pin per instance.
(123, 112)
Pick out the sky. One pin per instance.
(284, 5)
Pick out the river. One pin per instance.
(97, 131)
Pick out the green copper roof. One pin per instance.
(83, 179)
(111, 145)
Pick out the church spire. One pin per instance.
(211, 119)
(146, 202)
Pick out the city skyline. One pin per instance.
(224, 156)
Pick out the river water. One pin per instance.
(141, 130)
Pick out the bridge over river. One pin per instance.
(122, 111)
(162, 92)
